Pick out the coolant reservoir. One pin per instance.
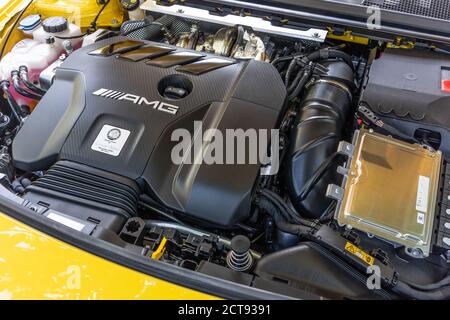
(61, 30)
(36, 56)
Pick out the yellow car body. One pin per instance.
(34, 265)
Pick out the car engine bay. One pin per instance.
(362, 184)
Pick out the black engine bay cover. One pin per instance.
(114, 105)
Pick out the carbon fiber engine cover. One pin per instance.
(114, 105)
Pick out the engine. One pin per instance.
(122, 123)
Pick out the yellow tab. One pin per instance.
(157, 254)
(359, 253)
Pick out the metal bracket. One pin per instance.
(346, 149)
(257, 24)
(335, 192)
(343, 171)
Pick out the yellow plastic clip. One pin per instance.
(157, 254)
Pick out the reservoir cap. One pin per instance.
(55, 24)
(30, 22)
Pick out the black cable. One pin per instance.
(93, 24)
(284, 208)
(270, 208)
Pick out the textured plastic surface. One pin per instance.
(226, 98)
(86, 193)
(305, 268)
(55, 24)
(404, 87)
(315, 138)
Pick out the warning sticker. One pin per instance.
(359, 253)
(110, 140)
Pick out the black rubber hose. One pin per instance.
(284, 208)
(285, 58)
(290, 69)
(405, 290)
(270, 208)
(433, 286)
(300, 84)
(23, 73)
(294, 84)
(20, 90)
(11, 101)
(325, 54)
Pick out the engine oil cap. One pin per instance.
(29, 23)
(55, 24)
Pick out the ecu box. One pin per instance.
(390, 190)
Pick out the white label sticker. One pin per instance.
(423, 189)
(110, 140)
(66, 221)
(420, 218)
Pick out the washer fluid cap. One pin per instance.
(30, 22)
(55, 24)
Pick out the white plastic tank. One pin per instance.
(36, 56)
(61, 30)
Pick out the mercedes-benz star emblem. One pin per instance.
(113, 134)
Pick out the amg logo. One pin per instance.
(117, 95)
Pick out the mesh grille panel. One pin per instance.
(438, 9)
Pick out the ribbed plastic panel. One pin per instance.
(438, 9)
(84, 183)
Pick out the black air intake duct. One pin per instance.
(86, 193)
(311, 160)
